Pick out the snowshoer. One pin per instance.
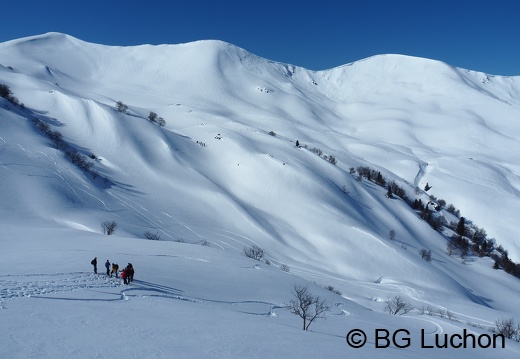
(94, 263)
(107, 266)
(124, 275)
(130, 272)
(115, 269)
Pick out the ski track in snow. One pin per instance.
(49, 286)
(32, 285)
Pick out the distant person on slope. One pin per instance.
(124, 275)
(94, 263)
(115, 269)
(130, 272)
(107, 266)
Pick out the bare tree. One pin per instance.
(397, 306)
(450, 315)
(109, 227)
(508, 328)
(152, 236)
(254, 252)
(306, 306)
(426, 254)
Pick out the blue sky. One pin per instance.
(474, 34)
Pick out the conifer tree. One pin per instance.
(461, 227)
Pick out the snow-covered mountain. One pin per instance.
(224, 171)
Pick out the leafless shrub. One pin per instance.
(450, 315)
(333, 290)
(430, 311)
(508, 328)
(442, 313)
(109, 227)
(316, 151)
(426, 254)
(397, 306)
(331, 159)
(152, 236)
(307, 306)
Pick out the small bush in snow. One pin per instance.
(161, 122)
(154, 118)
(333, 290)
(121, 107)
(79, 160)
(152, 236)
(272, 133)
(450, 315)
(254, 252)
(109, 227)
(398, 306)
(508, 328)
(331, 159)
(426, 254)
(285, 268)
(205, 243)
(317, 151)
(427, 310)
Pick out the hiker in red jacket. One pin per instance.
(124, 275)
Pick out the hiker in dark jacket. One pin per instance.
(107, 266)
(94, 263)
(130, 272)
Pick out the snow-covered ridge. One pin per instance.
(397, 73)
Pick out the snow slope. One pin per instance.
(214, 175)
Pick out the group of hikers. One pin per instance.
(127, 274)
